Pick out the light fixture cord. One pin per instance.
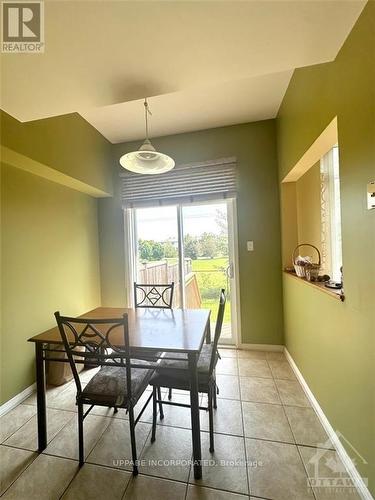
(147, 112)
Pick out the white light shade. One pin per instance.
(147, 160)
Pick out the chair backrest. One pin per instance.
(150, 295)
(94, 335)
(218, 327)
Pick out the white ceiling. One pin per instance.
(207, 63)
(238, 101)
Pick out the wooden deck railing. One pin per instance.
(165, 272)
(193, 297)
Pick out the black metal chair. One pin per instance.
(153, 295)
(120, 381)
(173, 373)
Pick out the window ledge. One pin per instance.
(337, 294)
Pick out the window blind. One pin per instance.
(185, 183)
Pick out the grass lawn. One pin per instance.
(214, 305)
(210, 264)
(211, 277)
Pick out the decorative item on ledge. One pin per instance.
(304, 267)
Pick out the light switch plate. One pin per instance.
(250, 246)
(371, 195)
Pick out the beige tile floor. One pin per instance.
(266, 439)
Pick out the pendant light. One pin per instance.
(147, 160)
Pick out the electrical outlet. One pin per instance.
(250, 246)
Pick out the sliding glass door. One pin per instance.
(157, 249)
(192, 245)
(206, 249)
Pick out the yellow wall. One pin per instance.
(49, 232)
(333, 343)
(289, 226)
(67, 144)
(300, 215)
(50, 261)
(308, 210)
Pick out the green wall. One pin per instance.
(333, 343)
(50, 261)
(112, 247)
(258, 219)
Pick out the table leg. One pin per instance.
(194, 409)
(41, 396)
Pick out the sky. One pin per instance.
(160, 223)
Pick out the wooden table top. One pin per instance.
(154, 329)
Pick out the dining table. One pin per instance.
(150, 329)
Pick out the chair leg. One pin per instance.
(80, 435)
(154, 411)
(132, 439)
(115, 409)
(211, 390)
(215, 390)
(170, 394)
(160, 404)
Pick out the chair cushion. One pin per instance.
(171, 375)
(109, 385)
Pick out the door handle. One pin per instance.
(230, 271)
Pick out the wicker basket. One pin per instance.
(308, 270)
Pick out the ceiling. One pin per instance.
(202, 63)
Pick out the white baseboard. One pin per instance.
(12, 403)
(341, 451)
(262, 347)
